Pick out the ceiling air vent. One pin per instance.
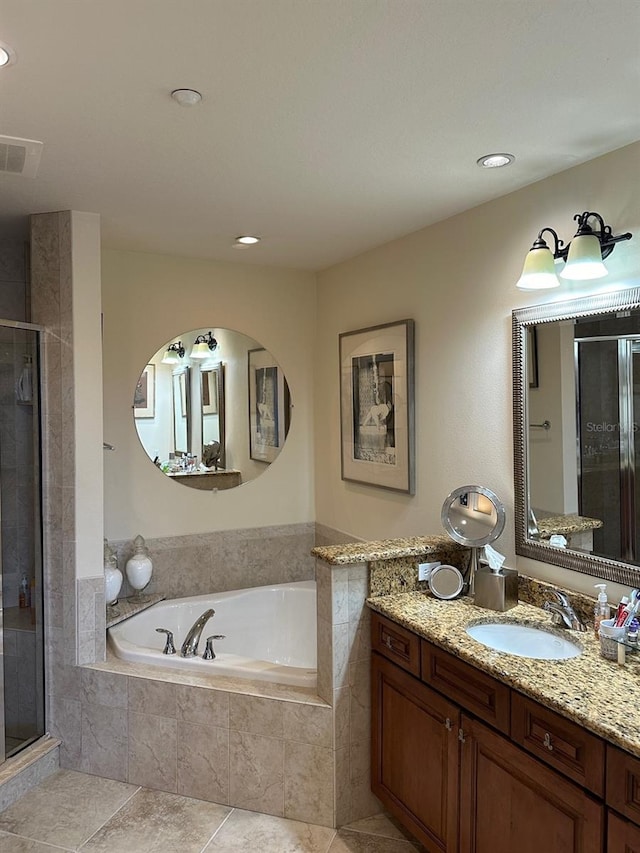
(20, 156)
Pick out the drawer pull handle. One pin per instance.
(547, 741)
(461, 736)
(448, 724)
(388, 643)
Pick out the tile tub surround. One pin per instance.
(594, 692)
(282, 751)
(212, 738)
(224, 560)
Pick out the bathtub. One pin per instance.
(270, 634)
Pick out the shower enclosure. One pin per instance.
(21, 611)
(608, 403)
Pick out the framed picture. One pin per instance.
(377, 407)
(268, 406)
(144, 398)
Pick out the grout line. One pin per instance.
(37, 841)
(231, 811)
(139, 788)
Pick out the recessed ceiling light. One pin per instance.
(247, 240)
(495, 161)
(6, 55)
(186, 97)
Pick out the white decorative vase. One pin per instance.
(139, 566)
(112, 584)
(112, 575)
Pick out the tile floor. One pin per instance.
(73, 811)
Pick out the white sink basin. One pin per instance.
(525, 641)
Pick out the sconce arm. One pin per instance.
(541, 243)
(604, 233)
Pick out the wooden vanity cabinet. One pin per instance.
(509, 801)
(462, 786)
(622, 836)
(415, 755)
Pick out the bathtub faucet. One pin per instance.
(189, 648)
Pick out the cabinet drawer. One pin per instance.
(623, 783)
(396, 643)
(558, 742)
(475, 691)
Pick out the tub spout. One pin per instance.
(189, 648)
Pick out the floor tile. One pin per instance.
(17, 844)
(157, 822)
(245, 831)
(359, 842)
(65, 809)
(379, 824)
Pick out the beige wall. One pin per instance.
(149, 299)
(457, 280)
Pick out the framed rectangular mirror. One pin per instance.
(576, 412)
(181, 432)
(213, 409)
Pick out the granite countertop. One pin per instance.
(590, 690)
(383, 549)
(548, 525)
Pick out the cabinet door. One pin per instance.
(623, 783)
(511, 802)
(415, 755)
(622, 836)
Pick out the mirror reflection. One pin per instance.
(583, 393)
(212, 409)
(576, 390)
(473, 515)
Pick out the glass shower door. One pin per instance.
(21, 616)
(608, 370)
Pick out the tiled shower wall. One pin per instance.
(13, 280)
(15, 428)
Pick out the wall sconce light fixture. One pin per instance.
(583, 256)
(173, 353)
(204, 345)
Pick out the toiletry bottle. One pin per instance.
(623, 613)
(620, 610)
(24, 597)
(601, 610)
(632, 635)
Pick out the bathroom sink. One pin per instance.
(526, 641)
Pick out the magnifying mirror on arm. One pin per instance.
(473, 516)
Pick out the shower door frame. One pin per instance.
(627, 345)
(38, 525)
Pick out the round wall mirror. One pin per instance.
(212, 409)
(473, 516)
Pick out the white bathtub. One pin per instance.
(270, 633)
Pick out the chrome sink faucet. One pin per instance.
(562, 613)
(189, 648)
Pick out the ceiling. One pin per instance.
(327, 127)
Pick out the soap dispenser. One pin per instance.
(601, 610)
